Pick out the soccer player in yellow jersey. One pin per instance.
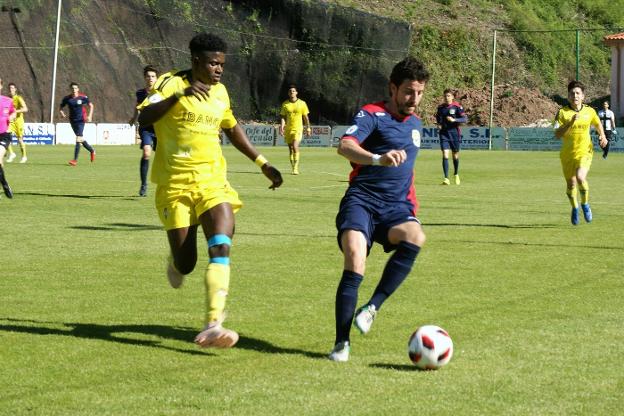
(187, 110)
(294, 113)
(572, 125)
(17, 125)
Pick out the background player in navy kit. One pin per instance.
(380, 204)
(147, 134)
(76, 102)
(449, 116)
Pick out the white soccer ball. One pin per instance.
(430, 347)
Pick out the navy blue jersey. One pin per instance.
(141, 95)
(377, 131)
(77, 107)
(454, 110)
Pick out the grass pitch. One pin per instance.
(89, 326)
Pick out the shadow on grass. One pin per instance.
(396, 367)
(76, 196)
(120, 334)
(443, 224)
(118, 227)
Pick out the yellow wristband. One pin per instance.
(261, 161)
(179, 93)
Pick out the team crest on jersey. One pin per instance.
(416, 137)
(380, 114)
(154, 98)
(360, 114)
(452, 111)
(351, 129)
(79, 102)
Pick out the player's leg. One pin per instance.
(456, 163)
(19, 133)
(146, 146)
(408, 238)
(568, 167)
(10, 154)
(5, 139)
(77, 127)
(583, 187)
(445, 149)
(291, 154)
(296, 153)
(218, 226)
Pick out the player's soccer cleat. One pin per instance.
(457, 181)
(143, 190)
(587, 212)
(295, 171)
(175, 277)
(23, 159)
(575, 216)
(446, 182)
(7, 190)
(11, 157)
(605, 151)
(364, 318)
(215, 336)
(73, 162)
(93, 156)
(340, 353)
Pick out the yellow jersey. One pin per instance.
(18, 103)
(576, 142)
(293, 113)
(189, 153)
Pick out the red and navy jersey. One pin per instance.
(378, 131)
(77, 107)
(454, 110)
(141, 95)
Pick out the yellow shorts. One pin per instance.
(180, 208)
(17, 128)
(570, 165)
(293, 136)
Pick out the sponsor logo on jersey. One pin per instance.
(380, 114)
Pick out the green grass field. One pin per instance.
(89, 325)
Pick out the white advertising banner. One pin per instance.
(321, 137)
(65, 134)
(117, 134)
(39, 133)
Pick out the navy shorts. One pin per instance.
(148, 138)
(373, 218)
(450, 139)
(5, 139)
(77, 127)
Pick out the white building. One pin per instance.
(616, 42)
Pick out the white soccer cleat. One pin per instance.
(340, 353)
(175, 277)
(11, 157)
(23, 159)
(364, 318)
(215, 336)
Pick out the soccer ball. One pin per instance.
(430, 347)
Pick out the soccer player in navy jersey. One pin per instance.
(76, 102)
(449, 116)
(146, 134)
(380, 203)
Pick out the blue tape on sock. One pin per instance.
(219, 239)
(220, 260)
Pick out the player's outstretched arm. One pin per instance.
(356, 154)
(241, 142)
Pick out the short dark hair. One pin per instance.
(292, 86)
(149, 68)
(576, 84)
(71, 84)
(207, 42)
(450, 91)
(12, 84)
(409, 68)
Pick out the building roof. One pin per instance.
(615, 39)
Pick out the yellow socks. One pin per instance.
(584, 192)
(217, 282)
(571, 192)
(296, 161)
(23, 149)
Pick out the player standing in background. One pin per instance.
(147, 135)
(449, 116)
(380, 204)
(294, 113)
(607, 118)
(76, 102)
(7, 114)
(572, 124)
(17, 125)
(187, 109)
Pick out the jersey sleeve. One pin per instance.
(63, 102)
(283, 111)
(461, 115)
(595, 120)
(228, 120)
(304, 109)
(558, 120)
(363, 125)
(162, 89)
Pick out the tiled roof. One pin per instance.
(617, 38)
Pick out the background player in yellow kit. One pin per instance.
(572, 125)
(187, 110)
(294, 113)
(17, 125)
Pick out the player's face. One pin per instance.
(208, 66)
(407, 96)
(12, 90)
(448, 98)
(292, 94)
(75, 89)
(576, 96)
(150, 79)
(605, 106)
